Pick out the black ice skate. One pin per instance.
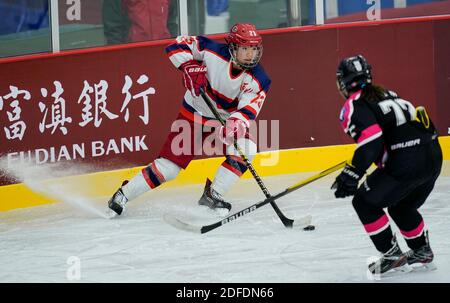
(118, 201)
(421, 257)
(213, 199)
(394, 259)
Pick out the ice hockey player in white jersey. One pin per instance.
(232, 77)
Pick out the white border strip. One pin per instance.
(319, 12)
(54, 19)
(184, 27)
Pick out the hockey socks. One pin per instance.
(228, 174)
(156, 173)
(380, 233)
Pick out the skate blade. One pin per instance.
(394, 272)
(403, 269)
(421, 267)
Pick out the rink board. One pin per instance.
(103, 184)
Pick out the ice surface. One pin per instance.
(36, 244)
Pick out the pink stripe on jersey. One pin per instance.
(347, 110)
(372, 130)
(378, 225)
(417, 232)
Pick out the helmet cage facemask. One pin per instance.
(233, 48)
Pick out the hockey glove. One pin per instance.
(194, 76)
(233, 130)
(346, 183)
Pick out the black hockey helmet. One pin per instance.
(353, 73)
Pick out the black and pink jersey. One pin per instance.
(381, 128)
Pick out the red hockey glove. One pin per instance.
(194, 76)
(233, 130)
(346, 183)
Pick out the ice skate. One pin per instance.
(214, 200)
(421, 258)
(392, 260)
(117, 202)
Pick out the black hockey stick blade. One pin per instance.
(177, 223)
(302, 222)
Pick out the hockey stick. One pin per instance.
(298, 223)
(286, 221)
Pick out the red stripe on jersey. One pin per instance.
(244, 115)
(251, 109)
(198, 43)
(214, 99)
(256, 98)
(170, 54)
(191, 116)
(221, 96)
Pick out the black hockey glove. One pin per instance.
(346, 183)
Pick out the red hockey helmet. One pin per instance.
(244, 35)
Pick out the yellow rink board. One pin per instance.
(103, 184)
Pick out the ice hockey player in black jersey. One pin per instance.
(402, 141)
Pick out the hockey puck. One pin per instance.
(309, 227)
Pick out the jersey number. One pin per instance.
(398, 106)
(259, 99)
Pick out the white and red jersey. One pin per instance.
(241, 96)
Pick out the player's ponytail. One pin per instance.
(374, 93)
